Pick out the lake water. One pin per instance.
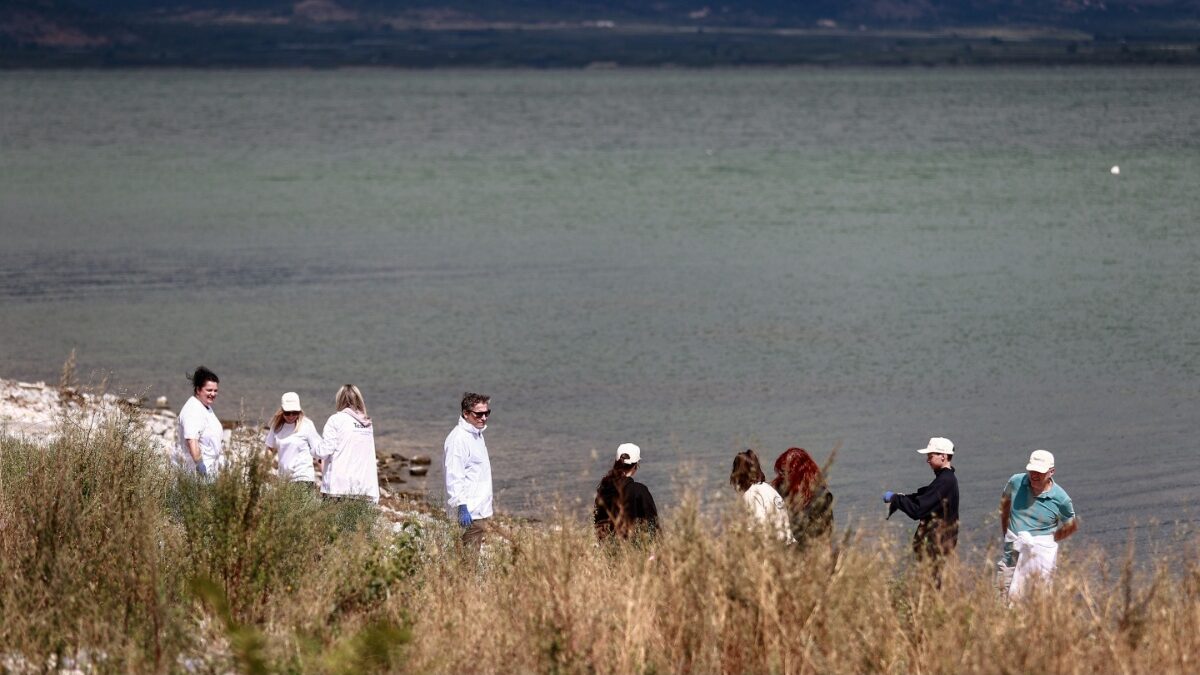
(694, 261)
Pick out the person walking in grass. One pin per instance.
(809, 503)
(763, 502)
(1035, 514)
(624, 507)
(294, 439)
(469, 470)
(935, 506)
(347, 450)
(199, 435)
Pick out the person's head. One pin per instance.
(1040, 470)
(289, 411)
(629, 458)
(797, 475)
(746, 471)
(205, 385)
(476, 408)
(939, 453)
(348, 396)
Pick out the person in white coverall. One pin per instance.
(347, 450)
(469, 470)
(199, 435)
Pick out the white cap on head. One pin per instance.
(290, 402)
(938, 444)
(1040, 461)
(634, 452)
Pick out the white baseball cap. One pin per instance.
(290, 402)
(1040, 461)
(634, 452)
(938, 444)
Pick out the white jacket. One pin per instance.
(468, 470)
(768, 509)
(348, 448)
(1037, 555)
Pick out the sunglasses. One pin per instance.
(480, 414)
(289, 413)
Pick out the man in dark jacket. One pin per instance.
(935, 505)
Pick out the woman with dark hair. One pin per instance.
(760, 498)
(295, 439)
(198, 433)
(624, 507)
(348, 449)
(809, 503)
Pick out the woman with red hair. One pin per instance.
(799, 481)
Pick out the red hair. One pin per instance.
(797, 476)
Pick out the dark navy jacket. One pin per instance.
(936, 506)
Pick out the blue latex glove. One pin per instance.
(201, 469)
(464, 516)
(887, 496)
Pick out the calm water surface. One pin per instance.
(695, 261)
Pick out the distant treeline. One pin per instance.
(289, 46)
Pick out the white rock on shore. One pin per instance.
(33, 410)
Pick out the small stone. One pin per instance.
(422, 460)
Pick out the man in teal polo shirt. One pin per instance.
(1035, 514)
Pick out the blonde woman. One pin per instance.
(348, 449)
(295, 439)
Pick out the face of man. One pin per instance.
(937, 460)
(1040, 481)
(208, 393)
(477, 416)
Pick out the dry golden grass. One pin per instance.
(107, 556)
(699, 602)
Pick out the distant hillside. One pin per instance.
(580, 32)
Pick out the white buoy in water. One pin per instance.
(1116, 170)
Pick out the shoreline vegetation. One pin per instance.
(265, 44)
(114, 563)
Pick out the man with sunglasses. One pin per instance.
(1035, 514)
(469, 471)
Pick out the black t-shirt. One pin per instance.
(623, 507)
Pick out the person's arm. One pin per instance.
(924, 501)
(193, 445)
(456, 454)
(1005, 512)
(331, 438)
(1067, 529)
(649, 510)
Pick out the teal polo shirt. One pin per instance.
(1035, 514)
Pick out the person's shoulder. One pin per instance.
(1016, 478)
(307, 424)
(193, 408)
(637, 487)
(1057, 492)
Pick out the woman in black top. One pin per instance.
(624, 506)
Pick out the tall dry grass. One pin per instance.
(110, 560)
(701, 602)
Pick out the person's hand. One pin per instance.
(464, 516)
(887, 496)
(201, 469)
